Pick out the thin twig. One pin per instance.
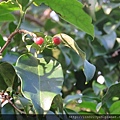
(15, 107)
(12, 35)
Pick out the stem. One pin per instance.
(22, 13)
(16, 107)
(12, 35)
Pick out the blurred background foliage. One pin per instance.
(101, 94)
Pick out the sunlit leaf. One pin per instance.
(41, 80)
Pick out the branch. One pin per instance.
(12, 35)
(15, 107)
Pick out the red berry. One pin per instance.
(56, 40)
(39, 40)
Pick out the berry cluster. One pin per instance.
(40, 40)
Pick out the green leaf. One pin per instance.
(109, 27)
(23, 3)
(8, 73)
(3, 85)
(91, 106)
(41, 80)
(8, 112)
(2, 42)
(91, 7)
(109, 40)
(98, 107)
(98, 87)
(70, 98)
(71, 11)
(76, 60)
(57, 104)
(7, 17)
(115, 108)
(12, 27)
(113, 91)
(7, 7)
(89, 70)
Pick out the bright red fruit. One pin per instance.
(56, 40)
(39, 40)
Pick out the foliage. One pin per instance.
(79, 76)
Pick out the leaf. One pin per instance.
(69, 98)
(109, 27)
(76, 60)
(115, 108)
(88, 105)
(98, 107)
(7, 17)
(23, 3)
(7, 7)
(91, 7)
(108, 40)
(57, 104)
(3, 85)
(2, 42)
(113, 91)
(89, 70)
(7, 112)
(109, 7)
(41, 80)
(69, 42)
(8, 73)
(71, 11)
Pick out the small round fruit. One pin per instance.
(56, 40)
(39, 40)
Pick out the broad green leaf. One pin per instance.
(113, 91)
(41, 80)
(91, 106)
(89, 70)
(8, 73)
(71, 11)
(7, 7)
(7, 17)
(115, 108)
